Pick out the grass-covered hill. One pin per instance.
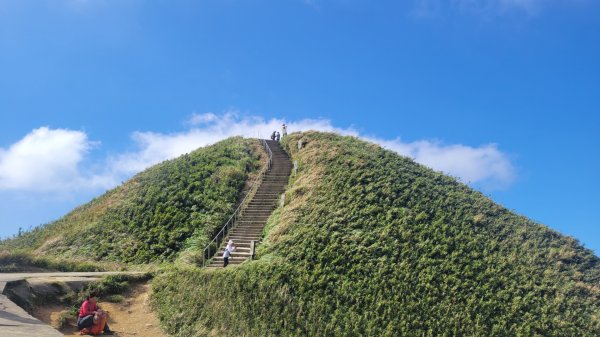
(171, 206)
(369, 243)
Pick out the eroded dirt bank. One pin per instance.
(131, 317)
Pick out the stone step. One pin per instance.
(260, 208)
(236, 253)
(244, 237)
(257, 217)
(266, 204)
(247, 228)
(249, 222)
(252, 225)
(276, 190)
(218, 261)
(270, 206)
(243, 242)
(239, 248)
(249, 233)
(272, 194)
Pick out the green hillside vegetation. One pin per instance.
(370, 243)
(169, 207)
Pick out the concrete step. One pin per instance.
(277, 190)
(252, 232)
(244, 238)
(269, 206)
(253, 226)
(252, 220)
(250, 223)
(246, 229)
(243, 242)
(236, 254)
(238, 249)
(249, 227)
(266, 197)
(244, 235)
(261, 209)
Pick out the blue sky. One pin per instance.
(504, 94)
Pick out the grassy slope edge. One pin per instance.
(372, 244)
(163, 210)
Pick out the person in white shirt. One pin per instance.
(283, 130)
(230, 248)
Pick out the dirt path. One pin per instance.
(132, 317)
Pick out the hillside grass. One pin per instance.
(170, 207)
(371, 243)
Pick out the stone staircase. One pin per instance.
(250, 226)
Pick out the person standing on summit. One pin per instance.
(283, 130)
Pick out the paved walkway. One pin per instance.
(16, 322)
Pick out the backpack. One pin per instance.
(98, 327)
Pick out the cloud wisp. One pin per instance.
(53, 160)
(483, 8)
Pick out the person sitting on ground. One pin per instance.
(90, 314)
(227, 253)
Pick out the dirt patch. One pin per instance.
(132, 317)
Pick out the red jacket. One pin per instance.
(87, 308)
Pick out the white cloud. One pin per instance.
(53, 160)
(45, 159)
(485, 164)
(199, 119)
